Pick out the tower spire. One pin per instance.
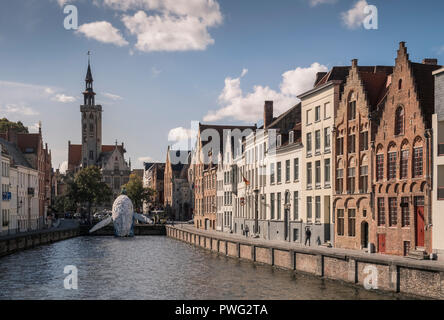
(89, 92)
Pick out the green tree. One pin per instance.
(5, 124)
(137, 193)
(88, 188)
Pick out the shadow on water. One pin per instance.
(157, 267)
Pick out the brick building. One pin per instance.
(354, 129)
(403, 159)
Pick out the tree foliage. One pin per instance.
(5, 124)
(137, 193)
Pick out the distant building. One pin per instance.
(177, 190)
(153, 176)
(109, 158)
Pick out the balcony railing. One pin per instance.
(440, 193)
(440, 149)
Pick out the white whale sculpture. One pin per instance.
(123, 217)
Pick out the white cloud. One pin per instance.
(181, 134)
(21, 110)
(102, 31)
(249, 107)
(111, 96)
(354, 17)
(440, 50)
(314, 3)
(168, 33)
(63, 98)
(63, 167)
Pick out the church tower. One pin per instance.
(91, 123)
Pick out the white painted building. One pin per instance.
(6, 193)
(438, 167)
(318, 120)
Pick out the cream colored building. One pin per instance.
(438, 167)
(318, 120)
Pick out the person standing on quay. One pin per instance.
(307, 236)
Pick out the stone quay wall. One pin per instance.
(19, 242)
(412, 277)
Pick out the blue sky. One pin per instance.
(158, 65)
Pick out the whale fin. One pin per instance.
(142, 218)
(101, 224)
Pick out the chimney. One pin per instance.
(354, 62)
(432, 61)
(11, 135)
(268, 113)
(402, 45)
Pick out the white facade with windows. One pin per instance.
(318, 120)
(5, 214)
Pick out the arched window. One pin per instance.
(399, 121)
(351, 107)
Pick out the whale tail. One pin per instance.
(142, 218)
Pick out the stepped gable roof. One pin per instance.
(16, 155)
(75, 153)
(180, 169)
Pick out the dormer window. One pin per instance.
(291, 137)
(279, 140)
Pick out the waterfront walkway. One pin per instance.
(64, 225)
(340, 253)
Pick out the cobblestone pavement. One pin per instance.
(375, 257)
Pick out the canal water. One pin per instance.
(156, 268)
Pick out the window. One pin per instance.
(417, 162)
(308, 113)
(327, 110)
(351, 143)
(318, 173)
(309, 209)
(404, 164)
(379, 167)
(340, 222)
(91, 155)
(296, 168)
(318, 113)
(287, 170)
(393, 212)
(363, 180)
(279, 171)
(381, 212)
(308, 147)
(309, 175)
(327, 172)
(318, 208)
(295, 234)
(340, 146)
(272, 206)
(291, 137)
(405, 211)
(363, 141)
(399, 121)
(391, 165)
(278, 205)
(296, 205)
(352, 110)
(339, 180)
(279, 141)
(406, 248)
(327, 139)
(351, 180)
(400, 84)
(351, 222)
(318, 140)
(272, 173)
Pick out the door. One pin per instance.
(381, 243)
(420, 226)
(364, 234)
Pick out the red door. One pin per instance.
(381, 243)
(420, 226)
